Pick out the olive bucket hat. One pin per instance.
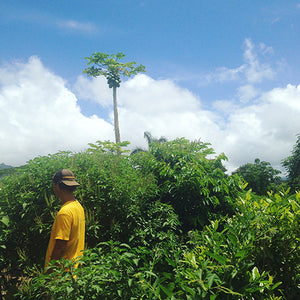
(66, 177)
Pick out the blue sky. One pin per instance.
(223, 71)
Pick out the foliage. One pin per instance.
(260, 176)
(115, 196)
(195, 185)
(163, 224)
(252, 255)
(111, 67)
(109, 271)
(27, 208)
(258, 244)
(277, 219)
(292, 165)
(5, 170)
(108, 147)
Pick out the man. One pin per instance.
(68, 230)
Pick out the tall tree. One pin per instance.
(260, 176)
(113, 70)
(292, 165)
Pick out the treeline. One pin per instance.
(165, 223)
(262, 177)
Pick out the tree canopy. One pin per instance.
(292, 165)
(259, 175)
(111, 67)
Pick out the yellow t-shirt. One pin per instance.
(69, 225)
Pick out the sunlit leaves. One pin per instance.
(111, 67)
(135, 246)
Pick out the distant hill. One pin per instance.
(4, 166)
(5, 170)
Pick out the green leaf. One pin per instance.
(255, 273)
(221, 259)
(151, 273)
(136, 261)
(167, 275)
(215, 224)
(232, 238)
(5, 220)
(130, 280)
(211, 280)
(166, 290)
(234, 273)
(241, 253)
(276, 285)
(189, 290)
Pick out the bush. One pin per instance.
(252, 255)
(190, 180)
(27, 209)
(163, 224)
(115, 196)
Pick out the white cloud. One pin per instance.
(155, 95)
(164, 109)
(93, 89)
(265, 129)
(85, 27)
(224, 106)
(255, 71)
(252, 71)
(265, 49)
(246, 93)
(224, 75)
(39, 115)
(40, 18)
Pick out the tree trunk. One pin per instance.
(116, 117)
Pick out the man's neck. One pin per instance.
(66, 197)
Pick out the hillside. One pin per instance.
(4, 166)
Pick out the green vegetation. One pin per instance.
(292, 165)
(167, 223)
(5, 170)
(260, 176)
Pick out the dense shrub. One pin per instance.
(163, 224)
(116, 198)
(191, 180)
(27, 209)
(274, 223)
(256, 252)
(253, 255)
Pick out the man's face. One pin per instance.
(56, 189)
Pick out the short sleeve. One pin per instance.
(63, 224)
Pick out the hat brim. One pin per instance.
(70, 182)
